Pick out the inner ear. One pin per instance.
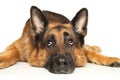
(38, 24)
(38, 20)
(80, 22)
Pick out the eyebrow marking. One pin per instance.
(59, 28)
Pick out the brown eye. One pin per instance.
(50, 44)
(70, 42)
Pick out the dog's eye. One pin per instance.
(70, 42)
(50, 43)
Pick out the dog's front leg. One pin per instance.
(9, 56)
(93, 56)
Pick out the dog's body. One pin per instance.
(50, 40)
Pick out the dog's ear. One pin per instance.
(79, 23)
(38, 20)
(38, 24)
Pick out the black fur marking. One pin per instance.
(115, 64)
(38, 39)
(59, 28)
(54, 66)
(81, 39)
(55, 17)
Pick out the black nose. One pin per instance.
(61, 63)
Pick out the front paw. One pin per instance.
(115, 64)
(2, 63)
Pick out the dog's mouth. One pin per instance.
(60, 64)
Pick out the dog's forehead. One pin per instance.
(55, 20)
(59, 25)
(55, 17)
(58, 30)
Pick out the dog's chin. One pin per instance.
(55, 70)
(61, 71)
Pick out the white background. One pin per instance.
(103, 30)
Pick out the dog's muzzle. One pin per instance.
(60, 64)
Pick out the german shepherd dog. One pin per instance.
(52, 41)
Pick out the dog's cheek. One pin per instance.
(43, 57)
(38, 58)
(80, 59)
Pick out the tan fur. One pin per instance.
(23, 49)
(80, 58)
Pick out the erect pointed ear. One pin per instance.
(80, 22)
(38, 20)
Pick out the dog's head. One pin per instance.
(59, 37)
